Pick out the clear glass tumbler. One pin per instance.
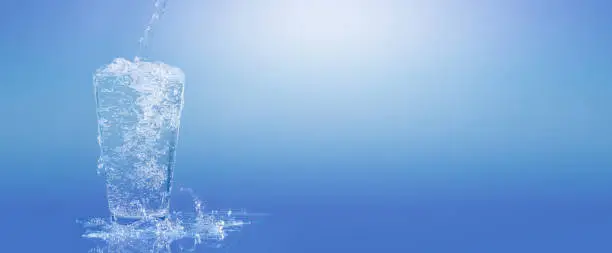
(139, 108)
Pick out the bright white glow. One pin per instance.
(316, 27)
(325, 24)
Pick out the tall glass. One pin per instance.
(139, 108)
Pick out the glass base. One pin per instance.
(134, 219)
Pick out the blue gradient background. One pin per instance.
(410, 126)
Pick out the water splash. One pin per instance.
(160, 9)
(155, 235)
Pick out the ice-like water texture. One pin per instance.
(139, 107)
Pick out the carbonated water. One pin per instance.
(139, 108)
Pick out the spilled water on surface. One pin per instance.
(181, 231)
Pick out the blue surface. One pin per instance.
(481, 127)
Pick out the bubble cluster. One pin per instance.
(139, 107)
